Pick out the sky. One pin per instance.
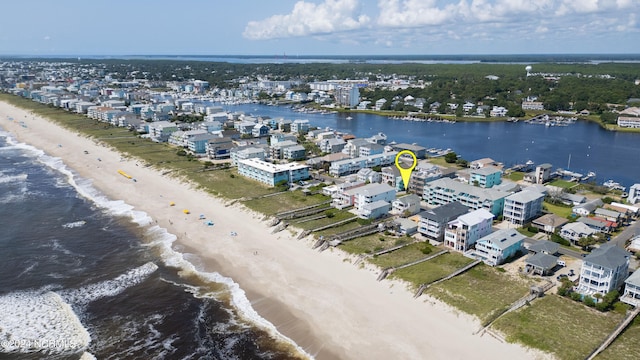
(318, 27)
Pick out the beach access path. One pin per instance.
(329, 307)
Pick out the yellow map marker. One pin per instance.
(406, 173)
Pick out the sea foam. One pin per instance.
(40, 322)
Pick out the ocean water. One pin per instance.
(81, 275)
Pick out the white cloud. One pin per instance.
(308, 18)
(47, 37)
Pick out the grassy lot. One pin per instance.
(626, 345)
(289, 200)
(516, 176)
(481, 291)
(562, 184)
(402, 256)
(372, 243)
(558, 325)
(524, 231)
(339, 215)
(432, 270)
(562, 211)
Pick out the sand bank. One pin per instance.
(328, 306)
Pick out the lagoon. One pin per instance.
(581, 147)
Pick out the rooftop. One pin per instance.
(608, 256)
(445, 212)
(503, 238)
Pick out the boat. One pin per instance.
(613, 185)
(349, 118)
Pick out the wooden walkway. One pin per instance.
(424, 287)
(616, 332)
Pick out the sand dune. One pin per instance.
(328, 306)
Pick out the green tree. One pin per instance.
(451, 157)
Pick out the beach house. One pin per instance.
(433, 222)
(463, 232)
(575, 231)
(496, 248)
(587, 208)
(631, 293)
(604, 270)
(408, 204)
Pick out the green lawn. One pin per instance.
(289, 200)
(339, 215)
(372, 243)
(432, 270)
(564, 327)
(516, 176)
(563, 184)
(562, 211)
(402, 256)
(626, 345)
(482, 291)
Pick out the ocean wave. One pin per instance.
(74, 224)
(113, 287)
(40, 322)
(13, 178)
(164, 241)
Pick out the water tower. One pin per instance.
(528, 68)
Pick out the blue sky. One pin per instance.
(318, 27)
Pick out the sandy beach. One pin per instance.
(328, 306)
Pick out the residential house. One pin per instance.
(352, 147)
(604, 270)
(300, 126)
(543, 173)
(198, 143)
(587, 208)
(480, 163)
(540, 263)
(244, 153)
(462, 233)
(419, 151)
(390, 175)
(260, 130)
(433, 222)
(422, 174)
(161, 130)
(244, 127)
(276, 151)
(634, 194)
(629, 121)
(373, 192)
(495, 248)
(532, 105)
(374, 210)
(219, 148)
(545, 247)
(608, 214)
(332, 145)
(573, 199)
(272, 174)
(281, 137)
(370, 149)
(380, 103)
(549, 223)
(443, 191)
(296, 152)
(575, 231)
(368, 175)
(498, 111)
(631, 293)
(522, 207)
(486, 176)
(598, 224)
(408, 204)
(405, 226)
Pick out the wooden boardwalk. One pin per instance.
(616, 332)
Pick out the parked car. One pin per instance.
(562, 276)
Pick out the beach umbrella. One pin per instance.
(186, 211)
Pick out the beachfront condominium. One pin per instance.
(604, 270)
(272, 174)
(352, 166)
(497, 247)
(445, 190)
(522, 207)
(463, 232)
(631, 293)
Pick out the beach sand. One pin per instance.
(328, 306)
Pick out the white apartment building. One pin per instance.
(463, 232)
(522, 207)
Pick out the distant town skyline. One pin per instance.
(320, 27)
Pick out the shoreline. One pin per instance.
(329, 307)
